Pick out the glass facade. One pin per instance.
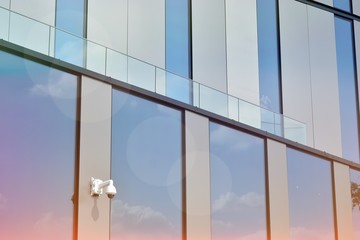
(310, 197)
(355, 197)
(237, 185)
(147, 170)
(38, 120)
(343, 5)
(347, 89)
(178, 37)
(269, 63)
(178, 57)
(37, 150)
(70, 19)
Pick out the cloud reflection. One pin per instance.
(230, 201)
(139, 219)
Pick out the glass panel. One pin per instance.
(29, 33)
(95, 57)
(355, 196)
(213, 100)
(196, 94)
(69, 48)
(310, 197)
(279, 127)
(4, 20)
(233, 108)
(116, 65)
(269, 75)
(249, 114)
(161, 81)
(141, 74)
(267, 121)
(347, 89)
(70, 16)
(37, 150)
(51, 52)
(178, 88)
(343, 4)
(177, 37)
(294, 130)
(146, 168)
(237, 185)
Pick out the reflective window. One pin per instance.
(237, 185)
(343, 5)
(146, 168)
(177, 37)
(37, 150)
(355, 196)
(310, 197)
(178, 59)
(70, 17)
(347, 89)
(268, 55)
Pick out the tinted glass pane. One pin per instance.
(177, 37)
(343, 4)
(355, 196)
(347, 89)
(146, 168)
(237, 185)
(70, 16)
(37, 150)
(69, 45)
(268, 55)
(69, 48)
(310, 197)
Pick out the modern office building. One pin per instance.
(215, 119)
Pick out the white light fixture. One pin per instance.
(98, 187)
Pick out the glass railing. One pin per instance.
(65, 46)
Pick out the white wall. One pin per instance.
(242, 50)
(146, 31)
(278, 191)
(95, 153)
(208, 40)
(295, 69)
(324, 81)
(43, 11)
(198, 209)
(356, 6)
(5, 3)
(107, 23)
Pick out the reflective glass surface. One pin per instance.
(347, 89)
(177, 37)
(70, 18)
(37, 150)
(343, 4)
(146, 168)
(310, 197)
(268, 55)
(237, 185)
(355, 197)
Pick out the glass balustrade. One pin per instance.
(40, 37)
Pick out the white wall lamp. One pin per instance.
(98, 187)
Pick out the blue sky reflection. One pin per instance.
(237, 184)
(146, 168)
